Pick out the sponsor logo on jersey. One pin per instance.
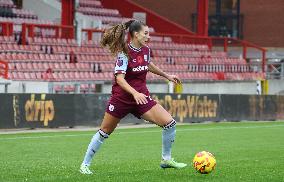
(140, 68)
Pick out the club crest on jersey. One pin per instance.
(111, 107)
(119, 62)
(139, 59)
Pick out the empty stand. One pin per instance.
(46, 58)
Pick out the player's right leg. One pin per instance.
(107, 127)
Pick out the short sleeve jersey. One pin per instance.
(135, 68)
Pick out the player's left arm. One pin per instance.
(156, 70)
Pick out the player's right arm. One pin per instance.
(120, 71)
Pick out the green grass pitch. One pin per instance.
(245, 151)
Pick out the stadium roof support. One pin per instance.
(67, 12)
(202, 15)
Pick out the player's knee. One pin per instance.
(107, 129)
(171, 124)
(103, 134)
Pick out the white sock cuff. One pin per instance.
(103, 134)
(170, 125)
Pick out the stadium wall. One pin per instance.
(161, 24)
(46, 10)
(276, 87)
(69, 110)
(194, 87)
(256, 12)
(165, 8)
(25, 87)
(264, 22)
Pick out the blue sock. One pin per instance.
(168, 138)
(94, 146)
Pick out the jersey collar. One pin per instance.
(134, 48)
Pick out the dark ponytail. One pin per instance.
(114, 37)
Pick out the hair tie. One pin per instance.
(124, 26)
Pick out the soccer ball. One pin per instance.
(204, 162)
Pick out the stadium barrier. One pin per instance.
(226, 42)
(44, 30)
(66, 110)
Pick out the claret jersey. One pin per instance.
(135, 68)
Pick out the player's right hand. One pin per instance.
(140, 98)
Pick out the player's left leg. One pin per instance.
(157, 114)
(107, 127)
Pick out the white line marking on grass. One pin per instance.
(138, 132)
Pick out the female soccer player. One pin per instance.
(129, 91)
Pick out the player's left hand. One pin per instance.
(174, 78)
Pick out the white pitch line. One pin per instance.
(154, 131)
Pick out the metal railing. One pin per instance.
(227, 42)
(35, 30)
(226, 67)
(275, 70)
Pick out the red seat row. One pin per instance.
(20, 48)
(22, 13)
(189, 53)
(7, 3)
(90, 3)
(35, 57)
(41, 57)
(20, 21)
(24, 66)
(7, 39)
(172, 45)
(98, 11)
(81, 50)
(52, 41)
(110, 19)
(61, 76)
